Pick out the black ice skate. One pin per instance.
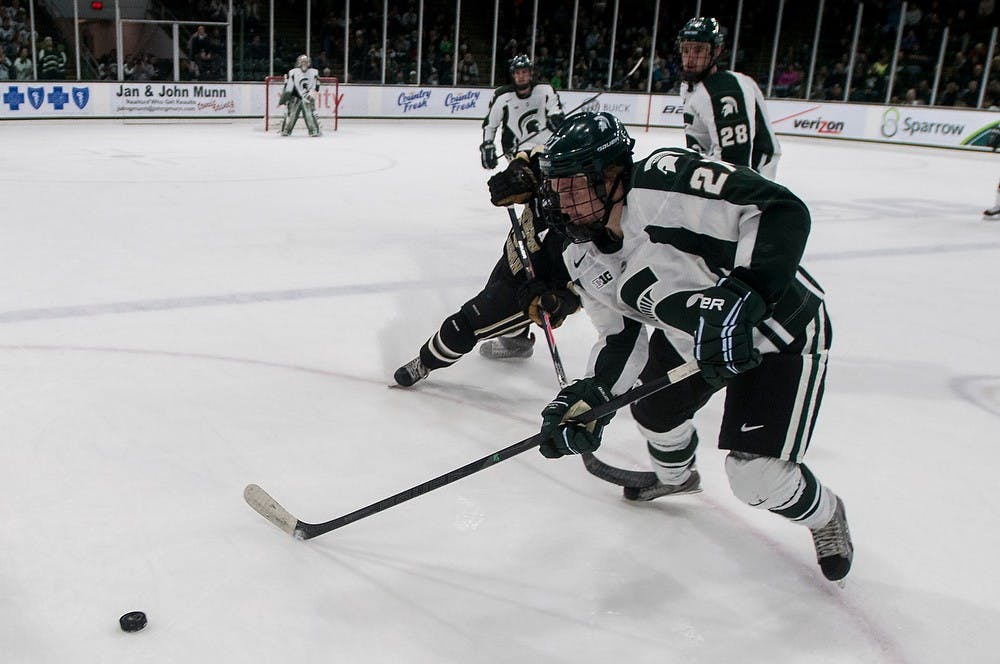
(410, 373)
(504, 348)
(658, 489)
(834, 549)
(993, 213)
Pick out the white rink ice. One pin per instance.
(190, 308)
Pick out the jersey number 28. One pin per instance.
(736, 135)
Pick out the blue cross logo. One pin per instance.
(58, 98)
(13, 98)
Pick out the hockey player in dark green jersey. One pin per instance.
(678, 257)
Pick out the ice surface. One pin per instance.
(187, 309)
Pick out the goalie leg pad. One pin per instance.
(786, 488)
(294, 106)
(310, 117)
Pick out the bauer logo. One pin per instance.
(462, 102)
(413, 100)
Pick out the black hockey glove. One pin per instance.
(536, 296)
(723, 340)
(514, 184)
(564, 438)
(488, 155)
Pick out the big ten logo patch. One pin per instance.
(602, 280)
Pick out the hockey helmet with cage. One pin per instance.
(706, 31)
(586, 144)
(519, 62)
(303, 62)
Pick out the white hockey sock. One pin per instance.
(788, 489)
(672, 453)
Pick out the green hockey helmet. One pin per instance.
(701, 29)
(586, 144)
(520, 61)
(516, 63)
(705, 31)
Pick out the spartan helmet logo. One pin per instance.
(729, 106)
(602, 122)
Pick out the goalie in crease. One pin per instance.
(299, 97)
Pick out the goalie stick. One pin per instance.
(270, 509)
(585, 102)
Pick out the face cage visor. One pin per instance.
(575, 206)
(703, 59)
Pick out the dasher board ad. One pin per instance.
(207, 99)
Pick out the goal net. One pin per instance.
(327, 103)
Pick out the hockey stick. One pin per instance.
(271, 510)
(585, 102)
(522, 248)
(636, 479)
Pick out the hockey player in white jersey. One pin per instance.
(299, 97)
(724, 114)
(678, 257)
(524, 113)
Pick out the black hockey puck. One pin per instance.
(132, 621)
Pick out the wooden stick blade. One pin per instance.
(269, 508)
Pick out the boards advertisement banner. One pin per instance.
(27, 100)
(174, 99)
(910, 125)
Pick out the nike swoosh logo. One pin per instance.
(746, 428)
(577, 263)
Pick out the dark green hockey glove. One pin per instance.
(488, 155)
(567, 438)
(723, 340)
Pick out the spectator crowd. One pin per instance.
(593, 65)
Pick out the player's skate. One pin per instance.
(503, 348)
(410, 373)
(993, 213)
(834, 549)
(658, 489)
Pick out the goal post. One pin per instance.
(327, 102)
